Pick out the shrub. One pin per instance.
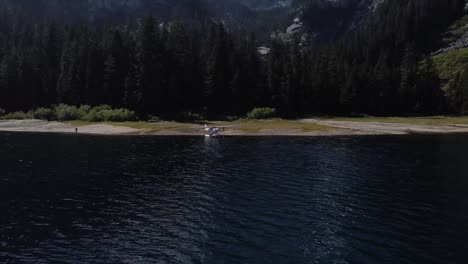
(43, 114)
(2, 112)
(67, 112)
(106, 113)
(102, 108)
(94, 116)
(262, 113)
(84, 110)
(64, 112)
(17, 116)
(118, 115)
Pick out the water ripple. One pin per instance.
(233, 200)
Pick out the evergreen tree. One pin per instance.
(430, 98)
(408, 71)
(148, 66)
(115, 70)
(383, 67)
(219, 73)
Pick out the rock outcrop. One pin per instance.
(326, 20)
(99, 9)
(461, 43)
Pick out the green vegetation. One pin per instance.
(64, 112)
(132, 124)
(68, 112)
(16, 116)
(279, 125)
(106, 113)
(262, 113)
(447, 64)
(44, 114)
(452, 68)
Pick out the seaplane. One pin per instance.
(211, 131)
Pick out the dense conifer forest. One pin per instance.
(165, 69)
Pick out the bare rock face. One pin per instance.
(326, 20)
(101, 9)
(88, 10)
(364, 8)
(114, 3)
(265, 4)
(461, 43)
(349, 13)
(259, 16)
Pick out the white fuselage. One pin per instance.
(211, 131)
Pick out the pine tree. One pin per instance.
(430, 96)
(65, 86)
(115, 70)
(148, 68)
(4, 95)
(51, 60)
(457, 90)
(408, 71)
(9, 80)
(219, 73)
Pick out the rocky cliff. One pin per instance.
(327, 20)
(314, 20)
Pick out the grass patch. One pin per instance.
(281, 125)
(242, 125)
(262, 113)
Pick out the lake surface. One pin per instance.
(389, 199)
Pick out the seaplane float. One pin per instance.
(212, 131)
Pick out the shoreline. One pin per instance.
(277, 127)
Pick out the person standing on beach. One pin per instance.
(76, 130)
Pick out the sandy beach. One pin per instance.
(58, 127)
(303, 127)
(380, 128)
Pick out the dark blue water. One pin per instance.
(84, 199)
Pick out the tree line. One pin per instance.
(167, 69)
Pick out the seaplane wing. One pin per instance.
(211, 131)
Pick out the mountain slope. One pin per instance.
(323, 19)
(328, 20)
(95, 10)
(259, 16)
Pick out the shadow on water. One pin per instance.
(390, 199)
